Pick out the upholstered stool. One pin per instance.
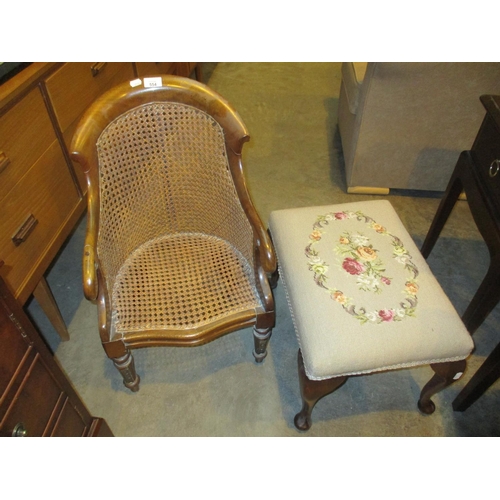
(363, 300)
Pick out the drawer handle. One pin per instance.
(97, 68)
(494, 168)
(25, 230)
(4, 161)
(19, 430)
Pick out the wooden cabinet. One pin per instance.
(163, 68)
(34, 212)
(41, 193)
(36, 399)
(26, 132)
(186, 68)
(74, 87)
(151, 68)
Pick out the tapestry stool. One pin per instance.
(362, 300)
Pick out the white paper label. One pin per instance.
(135, 83)
(152, 82)
(458, 375)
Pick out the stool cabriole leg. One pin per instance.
(125, 365)
(444, 375)
(486, 375)
(312, 391)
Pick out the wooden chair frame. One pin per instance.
(84, 151)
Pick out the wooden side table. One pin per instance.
(477, 172)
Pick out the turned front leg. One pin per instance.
(311, 392)
(261, 338)
(126, 367)
(444, 375)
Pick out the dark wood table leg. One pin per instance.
(488, 294)
(487, 374)
(485, 299)
(475, 172)
(453, 191)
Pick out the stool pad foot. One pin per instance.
(445, 374)
(312, 391)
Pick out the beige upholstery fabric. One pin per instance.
(362, 297)
(403, 125)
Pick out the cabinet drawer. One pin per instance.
(46, 192)
(75, 86)
(25, 134)
(12, 342)
(69, 423)
(486, 151)
(152, 68)
(35, 402)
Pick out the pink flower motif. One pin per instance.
(352, 266)
(340, 215)
(386, 314)
(385, 280)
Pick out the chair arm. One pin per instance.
(266, 251)
(90, 282)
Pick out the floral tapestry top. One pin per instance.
(364, 265)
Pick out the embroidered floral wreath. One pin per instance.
(360, 259)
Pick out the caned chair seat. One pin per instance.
(362, 297)
(177, 283)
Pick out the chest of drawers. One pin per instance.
(36, 399)
(73, 87)
(40, 197)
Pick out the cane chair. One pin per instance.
(175, 253)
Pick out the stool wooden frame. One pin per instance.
(312, 391)
(448, 364)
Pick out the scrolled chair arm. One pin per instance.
(266, 251)
(90, 281)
